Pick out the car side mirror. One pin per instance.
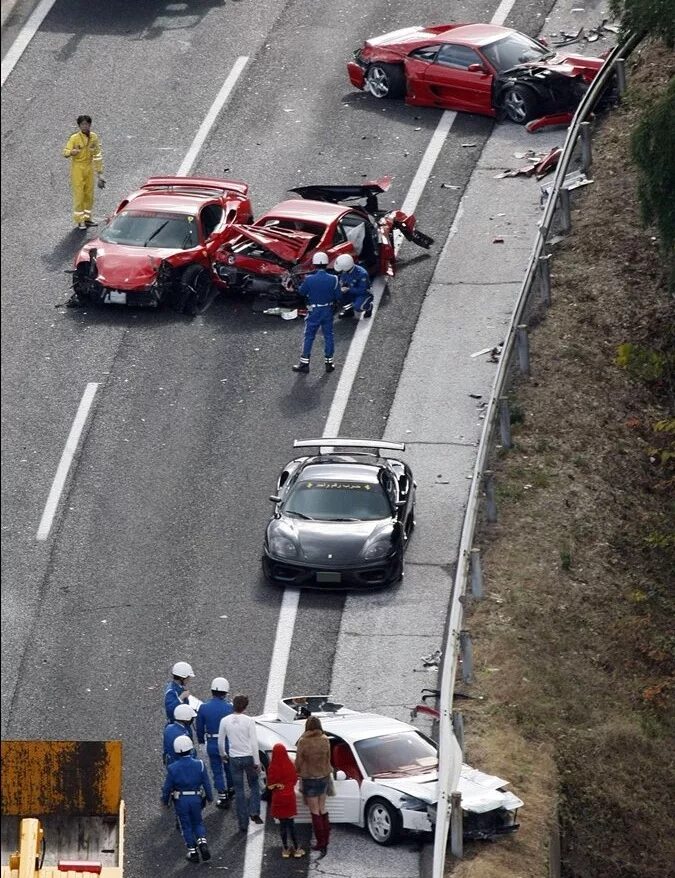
(275, 498)
(340, 775)
(476, 68)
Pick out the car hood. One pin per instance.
(125, 268)
(424, 788)
(289, 246)
(564, 65)
(329, 543)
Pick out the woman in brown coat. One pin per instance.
(312, 762)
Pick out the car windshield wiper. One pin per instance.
(156, 232)
(344, 519)
(299, 514)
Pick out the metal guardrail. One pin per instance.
(515, 344)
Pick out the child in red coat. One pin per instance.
(281, 780)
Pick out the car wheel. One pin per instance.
(383, 822)
(385, 81)
(520, 104)
(197, 290)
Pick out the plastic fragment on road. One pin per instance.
(549, 121)
(573, 180)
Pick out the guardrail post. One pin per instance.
(620, 67)
(523, 344)
(505, 422)
(586, 151)
(564, 202)
(476, 574)
(458, 728)
(490, 498)
(544, 269)
(466, 650)
(456, 826)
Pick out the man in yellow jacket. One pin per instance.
(84, 151)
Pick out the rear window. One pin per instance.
(152, 229)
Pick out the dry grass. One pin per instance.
(574, 642)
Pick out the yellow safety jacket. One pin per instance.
(90, 150)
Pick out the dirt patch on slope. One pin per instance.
(574, 642)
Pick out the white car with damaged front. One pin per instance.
(386, 773)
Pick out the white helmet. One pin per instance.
(182, 744)
(320, 258)
(344, 262)
(182, 670)
(184, 712)
(220, 684)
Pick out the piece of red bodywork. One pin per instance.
(549, 121)
(80, 866)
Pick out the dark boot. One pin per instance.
(203, 849)
(368, 313)
(326, 829)
(192, 855)
(223, 801)
(317, 824)
(301, 366)
(330, 365)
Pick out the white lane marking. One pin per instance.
(72, 443)
(502, 12)
(289, 605)
(26, 34)
(212, 115)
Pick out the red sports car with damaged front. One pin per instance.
(271, 257)
(475, 68)
(159, 245)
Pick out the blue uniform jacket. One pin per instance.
(172, 695)
(357, 280)
(171, 732)
(320, 288)
(186, 773)
(209, 716)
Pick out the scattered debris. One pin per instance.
(539, 166)
(494, 355)
(479, 353)
(573, 180)
(433, 659)
(448, 186)
(549, 121)
(565, 38)
(497, 240)
(469, 145)
(478, 395)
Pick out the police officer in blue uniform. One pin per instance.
(322, 292)
(188, 784)
(176, 691)
(209, 716)
(183, 717)
(354, 280)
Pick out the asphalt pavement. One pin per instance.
(154, 555)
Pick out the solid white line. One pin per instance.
(26, 34)
(502, 12)
(212, 115)
(66, 459)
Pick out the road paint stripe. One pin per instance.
(502, 12)
(26, 34)
(211, 116)
(72, 443)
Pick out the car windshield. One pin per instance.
(152, 229)
(397, 755)
(328, 500)
(513, 50)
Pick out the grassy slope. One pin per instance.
(574, 641)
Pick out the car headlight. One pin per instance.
(412, 804)
(282, 547)
(379, 548)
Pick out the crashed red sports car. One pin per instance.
(159, 244)
(270, 258)
(476, 68)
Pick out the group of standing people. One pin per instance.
(226, 734)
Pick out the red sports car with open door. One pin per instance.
(476, 68)
(271, 257)
(159, 245)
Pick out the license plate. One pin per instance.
(116, 298)
(328, 577)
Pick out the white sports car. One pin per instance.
(386, 773)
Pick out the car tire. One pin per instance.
(383, 822)
(196, 290)
(385, 81)
(520, 104)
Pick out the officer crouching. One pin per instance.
(322, 291)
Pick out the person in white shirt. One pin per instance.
(239, 731)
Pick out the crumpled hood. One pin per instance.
(564, 65)
(122, 267)
(289, 246)
(328, 543)
(425, 789)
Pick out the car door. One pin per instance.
(337, 243)
(455, 86)
(212, 222)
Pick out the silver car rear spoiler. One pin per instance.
(327, 442)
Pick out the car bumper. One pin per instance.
(297, 575)
(357, 74)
